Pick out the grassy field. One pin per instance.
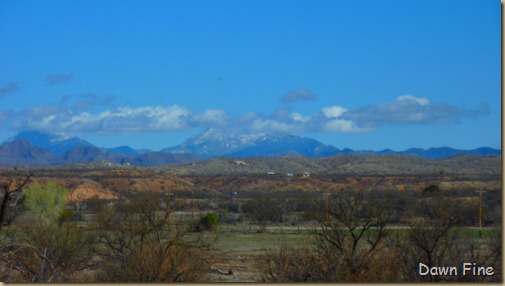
(238, 247)
(238, 252)
(257, 242)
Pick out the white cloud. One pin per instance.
(416, 117)
(410, 99)
(269, 125)
(341, 125)
(122, 119)
(405, 109)
(299, 118)
(334, 111)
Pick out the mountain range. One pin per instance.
(216, 143)
(38, 148)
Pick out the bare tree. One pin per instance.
(348, 246)
(354, 234)
(139, 245)
(434, 240)
(10, 198)
(11, 195)
(290, 264)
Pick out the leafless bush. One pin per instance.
(139, 245)
(11, 195)
(435, 241)
(348, 246)
(48, 254)
(291, 265)
(354, 234)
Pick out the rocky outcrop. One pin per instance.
(83, 193)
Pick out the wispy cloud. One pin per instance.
(214, 117)
(4, 116)
(128, 120)
(57, 78)
(107, 100)
(482, 110)
(8, 88)
(80, 118)
(86, 101)
(118, 120)
(408, 109)
(299, 94)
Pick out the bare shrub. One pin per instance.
(435, 241)
(347, 248)
(290, 265)
(139, 245)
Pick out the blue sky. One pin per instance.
(357, 74)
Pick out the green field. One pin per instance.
(255, 242)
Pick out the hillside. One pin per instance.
(23, 152)
(341, 164)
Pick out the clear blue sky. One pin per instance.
(358, 74)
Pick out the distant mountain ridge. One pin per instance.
(215, 143)
(431, 153)
(24, 152)
(55, 143)
(38, 148)
(123, 150)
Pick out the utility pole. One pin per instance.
(480, 212)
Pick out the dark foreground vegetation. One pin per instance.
(160, 228)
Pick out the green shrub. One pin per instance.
(208, 222)
(46, 203)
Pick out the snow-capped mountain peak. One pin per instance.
(213, 142)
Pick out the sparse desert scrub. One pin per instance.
(265, 213)
(48, 248)
(138, 244)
